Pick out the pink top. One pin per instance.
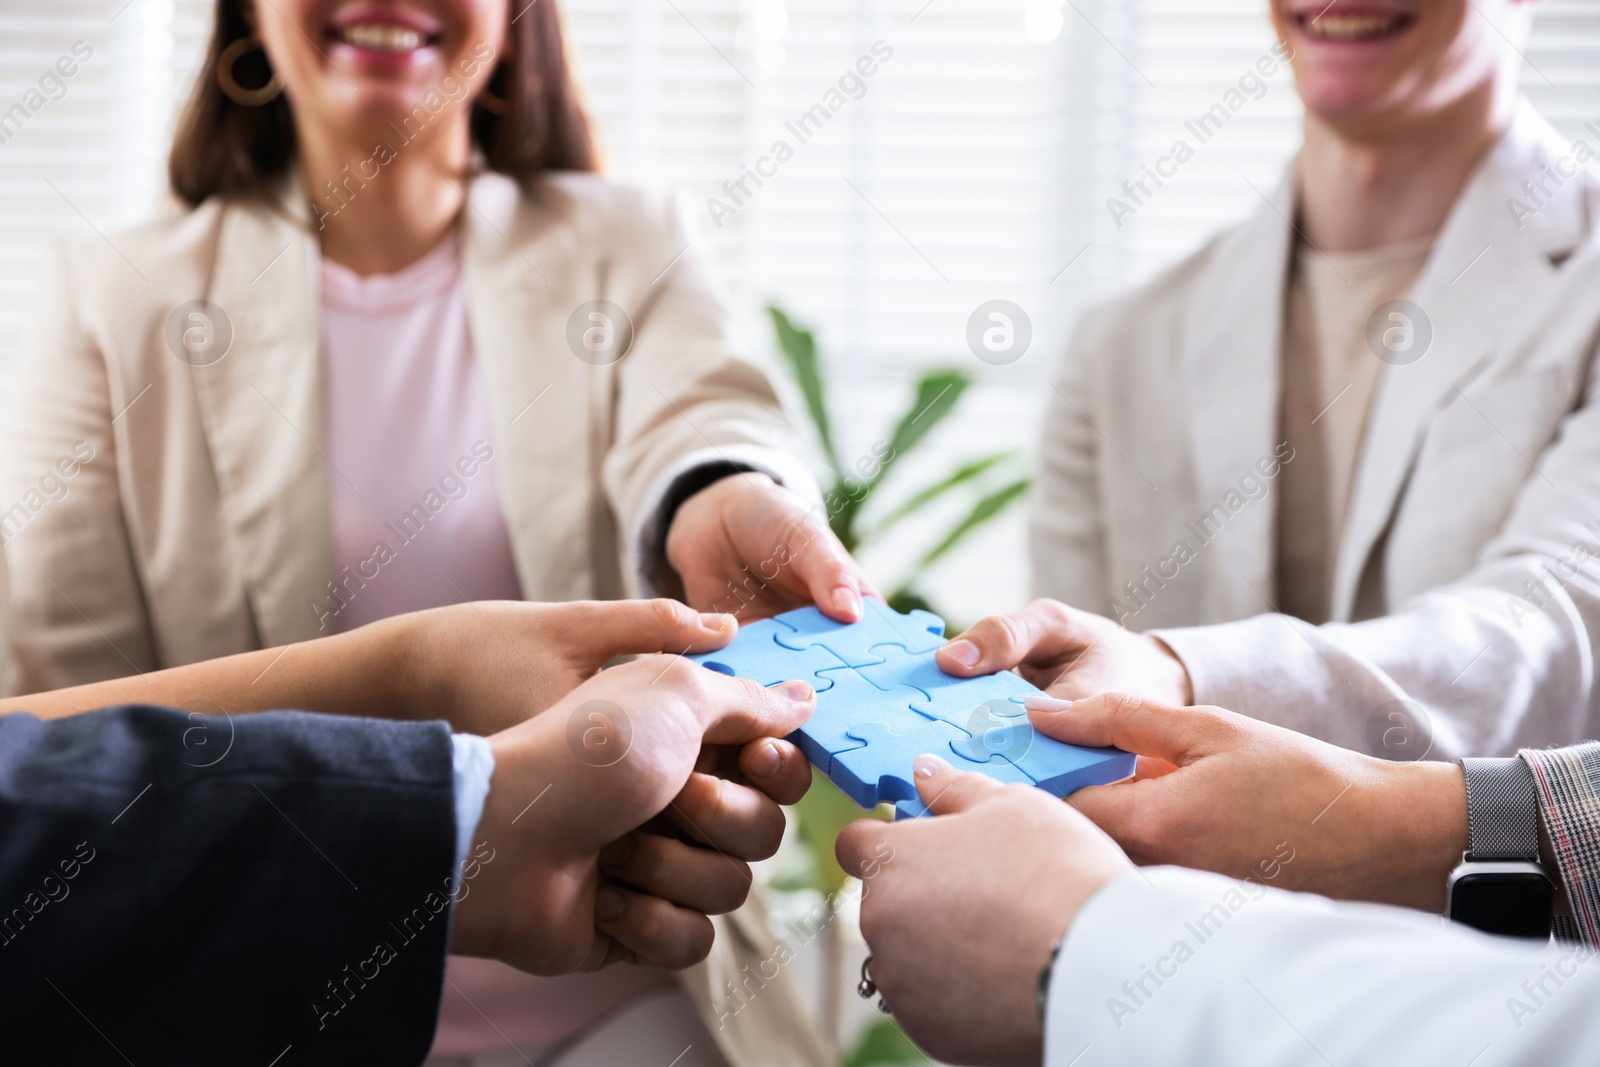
(417, 524)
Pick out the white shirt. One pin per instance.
(1171, 967)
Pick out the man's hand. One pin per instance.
(960, 911)
(1070, 654)
(748, 546)
(487, 666)
(1225, 793)
(603, 762)
(726, 816)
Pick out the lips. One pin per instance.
(1351, 26)
(384, 31)
(380, 38)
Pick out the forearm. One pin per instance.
(1335, 681)
(296, 847)
(363, 672)
(1180, 968)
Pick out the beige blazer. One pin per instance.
(1479, 476)
(200, 525)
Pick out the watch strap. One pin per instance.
(1502, 809)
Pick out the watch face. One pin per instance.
(1510, 904)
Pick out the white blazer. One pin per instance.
(1174, 967)
(1479, 476)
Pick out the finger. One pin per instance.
(736, 711)
(657, 932)
(860, 844)
(946, 790)
(833, 579)
(729, 817)
(637, 627)
(686, 875)
(1133, 724)
(1109, 807)
(777, 768)
(1044, 631)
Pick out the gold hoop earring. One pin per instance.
(494, 105)
(232, 89)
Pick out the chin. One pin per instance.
(1344, 100)
(372, 110)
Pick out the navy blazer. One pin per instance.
(268, 889)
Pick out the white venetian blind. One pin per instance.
(974, 163)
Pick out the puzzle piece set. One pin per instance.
(882, 701)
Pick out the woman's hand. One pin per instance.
(960, 911)
(747, 546)
(606, 760)
(1225, 793)
(483, 667)
(1070, 654)
(488, 666)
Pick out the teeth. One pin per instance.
(381, 37)
(1351, 27)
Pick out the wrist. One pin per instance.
(1425, 814)
(479, 909)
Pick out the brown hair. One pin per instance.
(223, 147)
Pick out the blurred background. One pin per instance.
(975, 164)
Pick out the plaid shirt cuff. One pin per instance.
(1569, 803)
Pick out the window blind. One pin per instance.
(976, 161)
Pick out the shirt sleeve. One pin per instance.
(1177, 967)
(1568, 780)
(471, 770)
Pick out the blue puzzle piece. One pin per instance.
(1064, 769)
(916, 632)
(880, 771)
(881, 702)
(843, 696)
(755, 654)
(945, 696)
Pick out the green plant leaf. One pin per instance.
(799, 348)
(960, 476)
(937, 395)
(982, 512)
(906, 600)
(882, 1044)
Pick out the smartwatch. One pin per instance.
(1499, 887)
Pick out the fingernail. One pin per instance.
(618, 852)
(847, 601)
(608, 905)
(928, 765)
(767, 760)
(713, 620)
(1045, 702)
(964, 652)
(797, 691)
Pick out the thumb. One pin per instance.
(605, 630)
(833, 579)
(947, 791)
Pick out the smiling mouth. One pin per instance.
(1329, 26)
(382, 37)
